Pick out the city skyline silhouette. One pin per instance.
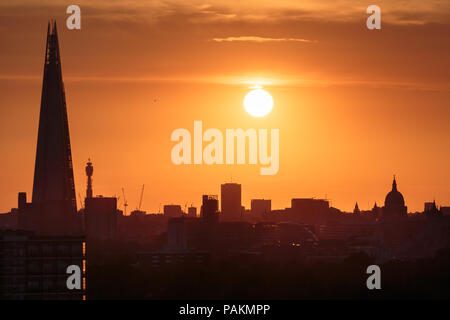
(53, 207)
(338, 138)
(146, 172)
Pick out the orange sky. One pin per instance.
(353, 106)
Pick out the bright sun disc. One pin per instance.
(258, 103)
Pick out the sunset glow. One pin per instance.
(346, 99)
(224, 158)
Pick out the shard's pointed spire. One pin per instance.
(53, 186)
(52, 48)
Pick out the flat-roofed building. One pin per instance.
(35, 267)
(230, 202)
(260, 207)
(172, 211)
(101, 218)
(309, 211)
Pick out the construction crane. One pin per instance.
(125, 203)
(140, 200)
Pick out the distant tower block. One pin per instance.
(209, 208)
(231, 202)
(89, 172)
(192, 212)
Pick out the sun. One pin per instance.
(258, 103)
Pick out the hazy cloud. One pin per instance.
(396, 12)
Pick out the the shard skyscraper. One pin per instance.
(53, 208)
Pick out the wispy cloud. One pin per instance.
(261, 39)
(277, 80)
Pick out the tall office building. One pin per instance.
(209, 208)
(230, 202)
(101, 218)
(54, 210)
